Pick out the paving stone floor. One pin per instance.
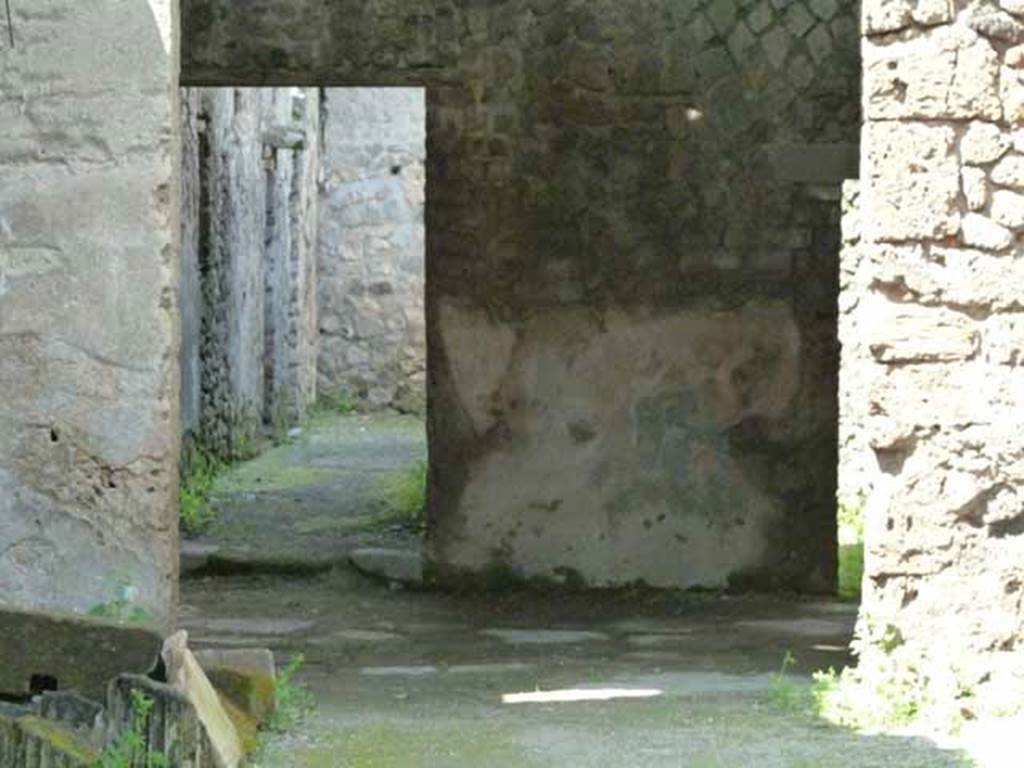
(409, 679)
(413, 679)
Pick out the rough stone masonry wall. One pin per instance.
(248, 305)
(632, 257)
(372, 331)
(89, 424)
(939, 273)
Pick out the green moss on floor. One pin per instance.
(470, 744)
(273, 471)
(328, 524)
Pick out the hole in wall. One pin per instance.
(41, 683)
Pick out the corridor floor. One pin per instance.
(415, 680)
(302, 506)
(408, 679)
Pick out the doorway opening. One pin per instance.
(303, 341)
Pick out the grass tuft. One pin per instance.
(405, 493)
(129, 749)
(199, 475)
(784, 692)
(295, 702)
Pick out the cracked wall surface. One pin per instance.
(932, 296)
(89, 433)
(632, 254)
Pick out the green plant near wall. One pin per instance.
(405, 494)
(200, 471)
(342, 403)
(129, 749)
(785, 693)
(123, 608)
(294, 703)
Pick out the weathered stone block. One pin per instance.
(907, 333)
(391, 565)
(1004, 341)
(942, 395)
(983, 143)
(64, 652)
(896, 149)
(915, 207)
(1008, 208)
(1009, 172)
(975, 186)
(245, 676)
(894, 15)
(186, 677)
(998, 26)
(943, 75)
(981, 232)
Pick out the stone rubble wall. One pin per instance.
(250, 201)
(371, 292)
(937, 295)
(632, 228)
(89, 269)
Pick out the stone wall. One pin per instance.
(292, 150)
(249, 243)
(372, 331)
(939, 271)
(857, 466)
(89, 269)
(632, 239)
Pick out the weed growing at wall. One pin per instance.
(899, 689)
(845, 698)
(200, 471)
(405, 494)
(123, 608)
(785, 693)
(129, 749)
(887, 702)
(339, 403)
(294, 703)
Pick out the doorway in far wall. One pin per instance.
(371, 254)
(304, 350)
